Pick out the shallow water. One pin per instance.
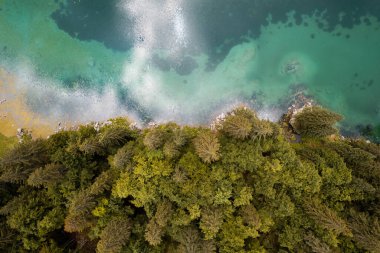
(189, 60)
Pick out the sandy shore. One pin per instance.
(14, 112)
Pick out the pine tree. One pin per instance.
(153, 233)
(155, 138)
(163, 213)
(316, 245)
(237, 126)
(79, 214)
(91, 146)
(115, 235)
(115, 136)
(171, 150)
(211, 221)
(250, 216)
(316, 122)
(207, 146)
(207, 246)
(17, 164)
(262, 129)
(179, 137)
(189, 240)
(245, 112)
(102, 182)
(366, 231)
(13, 204)
(45, 176)
(174, 143)
(326, 218)
(123, 156)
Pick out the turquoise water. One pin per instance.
(190, 60)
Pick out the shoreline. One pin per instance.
(14, 112)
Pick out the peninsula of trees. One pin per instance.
(243, 185)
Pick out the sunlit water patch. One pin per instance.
(189, 60)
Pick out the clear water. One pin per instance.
(189, 60)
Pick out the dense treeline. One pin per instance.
(240, 186)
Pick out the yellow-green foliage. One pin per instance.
(237, 126)
(207, 146)
(316, 122)
(115, 235)
(6, 143)
(241, 187)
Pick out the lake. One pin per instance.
(188, 61)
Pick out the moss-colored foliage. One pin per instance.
(316, 122)
(115, 235)
(190, 242)
(155, 138)
(366, 231)
(211, 221)
(123, 156)
(153, 233)
(6, 143)
(115, 136)
(79, 213)
(327, 218)
(237, 126)
(262, 130)
(29, 215)
(316, 245)
(240, 187)
(91, 146)
(44, 176)
(18, 163)
(207, 146)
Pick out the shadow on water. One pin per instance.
(98, 20)
(221, 24)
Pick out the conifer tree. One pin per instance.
(366, 231)
(316, 122)
(250, 216)
(246, 113)
(171, 150)
(123, 156)
(179, 137)
(163, 213)
(237, 126)
(207, 146)
(101, 183)
(44, 176)
(13, 204)
(154, 138)
(18, 163)
(326, 218)
(115, 235)
(207, 246)
(115, 136)
(154, 233)
(211, 221)
(91, 146)
(174, 143)
(189, 240)
(316, 245)
(261, 130)
(79, 214)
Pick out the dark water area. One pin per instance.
(96, 20)
(226, 22)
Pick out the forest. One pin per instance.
(241, 185)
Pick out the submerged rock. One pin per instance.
(291, 67)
